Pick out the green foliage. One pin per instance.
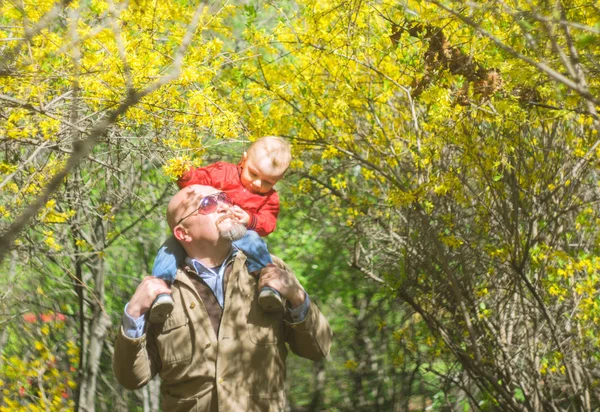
(441, 206)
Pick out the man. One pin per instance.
(218, 350)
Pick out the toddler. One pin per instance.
(249, 185)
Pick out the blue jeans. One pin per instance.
(171, 255)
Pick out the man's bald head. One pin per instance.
(185, 201)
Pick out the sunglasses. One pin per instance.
(208, 204)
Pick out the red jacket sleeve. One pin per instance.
(212, 175)
(264, 220)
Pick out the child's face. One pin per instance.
(258, 175)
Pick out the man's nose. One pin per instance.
(223, 206)
(257, 183)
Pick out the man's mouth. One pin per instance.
(230, 216)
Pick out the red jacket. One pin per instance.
(263, 209)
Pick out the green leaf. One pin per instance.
(519, 395)
(586, 39)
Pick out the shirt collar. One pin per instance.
(201, 268)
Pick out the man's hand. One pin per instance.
(241, 215)
(284, 282)
(144, 295)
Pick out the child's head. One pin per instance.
(265, 163)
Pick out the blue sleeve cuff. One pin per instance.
(300, 312)
(133, 328)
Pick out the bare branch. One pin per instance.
(543, 67)
(83, 148)
(23, 164)
(40, 110)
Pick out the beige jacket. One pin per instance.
(241, 369)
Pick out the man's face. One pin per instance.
(258, 175)
(213, 223)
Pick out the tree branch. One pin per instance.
(553, 74)
(83, 148)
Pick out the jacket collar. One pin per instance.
(236, 256)
(191, 265)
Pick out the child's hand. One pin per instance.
(241, 215)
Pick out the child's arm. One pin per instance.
(264, 221)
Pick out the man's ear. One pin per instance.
(181, 234)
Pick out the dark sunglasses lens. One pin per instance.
(208, 205)
(224, 198)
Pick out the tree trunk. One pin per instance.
(319, 378)
(100, 324)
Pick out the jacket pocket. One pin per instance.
(274, 402)
(264, 328)
(173, 404)
(174, 340)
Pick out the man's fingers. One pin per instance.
(152, 287)
(273, 276)
(162, 286)
(268, 273)
(265, 278)
(146, 292)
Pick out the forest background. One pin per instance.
(441, 208)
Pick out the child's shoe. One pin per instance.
(161, 308)
(270, 300)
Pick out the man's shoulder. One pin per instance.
(277, 261)
(184, 271)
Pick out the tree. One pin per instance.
(454, 148)
(88, 102)
(466, 162)
(381, 351)
(90, 65)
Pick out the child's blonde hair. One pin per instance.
(276, 149)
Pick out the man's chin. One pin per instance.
(232, 230)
